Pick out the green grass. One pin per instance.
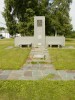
(12, 58)
(5, 43)
(37, 90)
(70, 42)
(63, 58)
(43, 89)
(48, 77)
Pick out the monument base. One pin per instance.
(49, 41)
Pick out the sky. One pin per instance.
(72, 14)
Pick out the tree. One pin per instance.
(2, 28)
(56, 13)
(23, 11)
(58, 19)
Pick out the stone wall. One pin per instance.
(49, 40)
(24, 40)
(55, 40)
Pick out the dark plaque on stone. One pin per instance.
(39, 23)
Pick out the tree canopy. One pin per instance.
(19, 16)
(2, 28)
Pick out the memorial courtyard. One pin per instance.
(37, 62)
(25, 63)
(35, 79)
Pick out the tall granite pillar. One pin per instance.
(39, 31)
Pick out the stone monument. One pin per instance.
(39, 31)
(40, 39)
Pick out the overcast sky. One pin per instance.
(72, 13)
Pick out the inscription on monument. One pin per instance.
(39, 23)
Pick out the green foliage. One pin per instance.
(71, 34)
(58, 19)
(18, 15)
(37, 90)
(56, 14)
(0, 35)
(2, 28)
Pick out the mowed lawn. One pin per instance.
(70, 42)
(37, 90)
(12, 57)
(63, 58)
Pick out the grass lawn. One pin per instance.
(37, 90)
(70, 42)
(63, 58)
(11, 57)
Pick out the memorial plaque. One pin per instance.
(39, 23)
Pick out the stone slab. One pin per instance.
(28, 73)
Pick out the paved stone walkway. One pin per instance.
(36, 68)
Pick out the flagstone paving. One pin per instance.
(40, 69)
